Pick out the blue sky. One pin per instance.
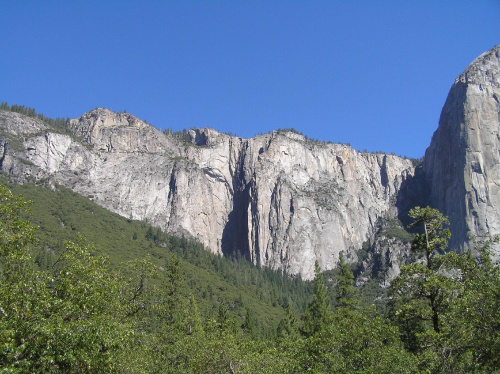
(374, 74)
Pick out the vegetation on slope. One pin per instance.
(140, 301)
(80, 311)
(59, 125)
(64, 215)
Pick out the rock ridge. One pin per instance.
(280, 199)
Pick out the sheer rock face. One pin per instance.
(462, 164)
(282, 200)
(294, 201)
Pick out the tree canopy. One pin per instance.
(78, 312)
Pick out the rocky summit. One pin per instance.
(282, 200)
(462, 164)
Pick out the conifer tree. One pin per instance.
(193, 319)
(175, 302)
(288, 326)
(318, 313)
(346, 292)
(422, 292)
(434, 237)
(248, 325)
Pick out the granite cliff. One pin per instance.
(282, 200)
(462, 164)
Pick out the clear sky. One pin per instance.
(374, 74)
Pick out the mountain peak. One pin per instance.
(110, 131)
(108, 118)
(462, 162)
(484, 69)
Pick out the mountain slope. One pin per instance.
(64, 215)
(281, 200)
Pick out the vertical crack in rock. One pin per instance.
(280, 199)
(235, 234)
(4, 145)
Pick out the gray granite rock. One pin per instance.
(462, 164)
(282, 200)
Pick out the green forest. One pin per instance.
(86, 291)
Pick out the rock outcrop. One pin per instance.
(462, 164)
(280, 199)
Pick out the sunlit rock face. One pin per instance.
(462, 163)
(280, 199)
(294, 201)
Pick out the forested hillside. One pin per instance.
(139, 301)
(64, 215)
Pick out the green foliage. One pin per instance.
(434, 237)
(398, 233)
(248, 325)
(374, 262)
(288, 129)
(181, 136)
(57, 124)
(288, 327)
(16, 234)
(466, 301)
(469, 339)
(68, 319)
(346, 292)
(356, 341)
(66, 308)
(445, 307)
(393, 228)
(318, 313)
(171, 308)
(61, 215)
(424, 296)
(422, 292)
(416, 161)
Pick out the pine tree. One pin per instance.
(248, 325)
(421, 294)
(173, 306)
(434, 237)
(318, 313)
(288, 327)
(346, 292)
(223, 319)
(193, 319)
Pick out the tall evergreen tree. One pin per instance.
(424, 293)
(423, 289)
(288, 327)
(434, 237)
(248, 324)
(346, 292)
(318, 313)
(193, 319)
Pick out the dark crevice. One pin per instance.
(235, 236)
